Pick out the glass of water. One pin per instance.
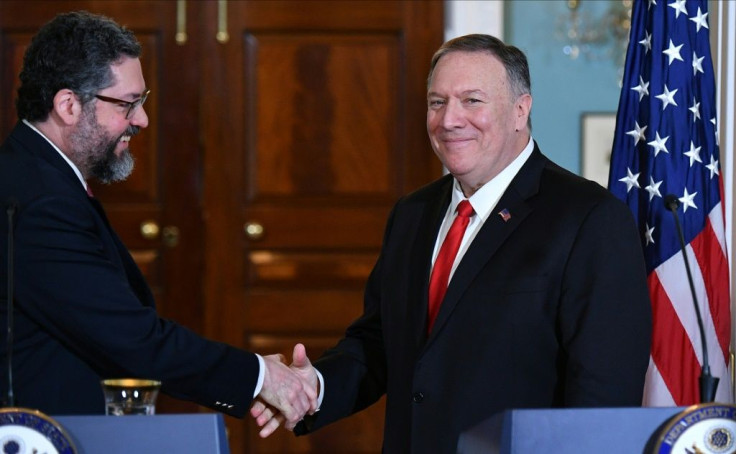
(130, 396)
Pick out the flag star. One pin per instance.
(651, 2)
(667, 97)
(697, 64)
(653, 188)
(642, 88)
(679, 6)
(673, 52)
(695, 109)
(648, 234)
(701, 20)
(713, 167)
(659, 144)
(630, 180)
(637, 133)
(693, 153)
(687, 200)
(646, 42)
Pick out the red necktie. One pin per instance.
(443, 263)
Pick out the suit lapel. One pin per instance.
(422, 253)
(135, 277)
(492, 235)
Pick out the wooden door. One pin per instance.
(157, 211)
(316, 113)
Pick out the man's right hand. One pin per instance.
(269, 415)
(284, 390)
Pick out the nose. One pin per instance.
(139, 118)
(452, 116)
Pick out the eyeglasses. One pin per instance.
(131, 105)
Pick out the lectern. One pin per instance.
(175, 433)
(558, 431)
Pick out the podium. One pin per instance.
(570, 430)
(175, 433)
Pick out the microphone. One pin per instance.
(12, 208)
(708, 383)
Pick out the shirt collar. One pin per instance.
(71, 164)
(488, 195)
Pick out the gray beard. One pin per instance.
(93, 151)
(110, 168)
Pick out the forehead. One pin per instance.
(468, 71)
(128, 75)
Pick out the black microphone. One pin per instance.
(708, 383)
(12, 208)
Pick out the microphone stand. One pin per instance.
(12, 206)
(708, 383)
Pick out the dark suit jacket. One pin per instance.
(82, 308)
(547, 309)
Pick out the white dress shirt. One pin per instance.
(482, 202)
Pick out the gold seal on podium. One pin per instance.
(700, 429)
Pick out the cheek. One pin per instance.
(485, 122)
(494, 122)
(432, 119)
(116, 128)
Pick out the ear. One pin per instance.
(523, 108)
(67, 106)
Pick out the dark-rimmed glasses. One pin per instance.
(131, 105)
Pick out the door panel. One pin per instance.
(334, 118)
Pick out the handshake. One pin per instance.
(288, 392)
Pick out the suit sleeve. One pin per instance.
(71, 283)
(605, 314)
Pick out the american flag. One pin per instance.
(666, 142)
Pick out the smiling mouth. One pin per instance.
(456, 140)
(129, 132)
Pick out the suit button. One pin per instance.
(418, 398)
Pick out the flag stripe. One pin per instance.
(719, 226)
(671, 347)
(656, 392)
(709, 256)
(672, 278)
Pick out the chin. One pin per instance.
(458, 169)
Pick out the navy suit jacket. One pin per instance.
(83, 311)
(549, 308)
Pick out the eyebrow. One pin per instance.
(140, 95)
(463, 93)
(134, 95)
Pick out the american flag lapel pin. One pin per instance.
(505, 215)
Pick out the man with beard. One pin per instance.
(83, 311)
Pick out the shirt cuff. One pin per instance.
(321, 389)
(261, 375)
